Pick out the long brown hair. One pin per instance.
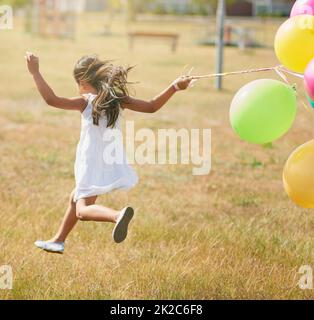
(109, 80)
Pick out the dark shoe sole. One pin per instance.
(120, 231)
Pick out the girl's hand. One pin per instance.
(32, 63)
(183, 82)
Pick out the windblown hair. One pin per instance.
(111, 83)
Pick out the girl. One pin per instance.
(103, 95)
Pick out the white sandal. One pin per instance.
(55, 247)
(120, 230)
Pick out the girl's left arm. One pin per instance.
(160, 100)
(47, 93)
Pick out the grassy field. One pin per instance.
(231, 234)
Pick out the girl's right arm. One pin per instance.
(47, 93)
(160, 100)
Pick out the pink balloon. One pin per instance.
(309, 79)
(307, 90)
(303, 7)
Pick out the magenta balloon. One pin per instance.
(309, 79)
(308, 91)
(303, 7)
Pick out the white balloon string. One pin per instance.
(299, 75)
(276, 68)
(306, 106)
(282, 75)
(280, 70)
(213, 75)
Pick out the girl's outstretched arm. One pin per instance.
(47, 93)
(160, 100)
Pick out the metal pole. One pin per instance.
(271, 6)
(221, 12)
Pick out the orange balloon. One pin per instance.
(298, 175)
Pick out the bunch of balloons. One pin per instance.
(264, 110)
(294, 44)
(294, 41)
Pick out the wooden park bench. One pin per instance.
(153, 35)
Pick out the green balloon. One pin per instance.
(263, 110)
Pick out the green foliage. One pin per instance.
(14, 3)
(211, 3)
(133, 7)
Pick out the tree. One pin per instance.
(135, 6)
(211, 5)
(14, 3)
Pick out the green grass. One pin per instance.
(231, 234)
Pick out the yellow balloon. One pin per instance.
(298, 175)
(294, 42)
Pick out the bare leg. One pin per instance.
(86, 210)
(68, 222)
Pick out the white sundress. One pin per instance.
(93, 176)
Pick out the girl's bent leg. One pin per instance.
(86, 210)
(68, 222)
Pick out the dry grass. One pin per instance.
(231, 234)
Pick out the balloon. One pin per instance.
(294, 42)
(311, 102)
(298, 175)
(302, 7)
(263, 110)
(307, 90)
(309, 79)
